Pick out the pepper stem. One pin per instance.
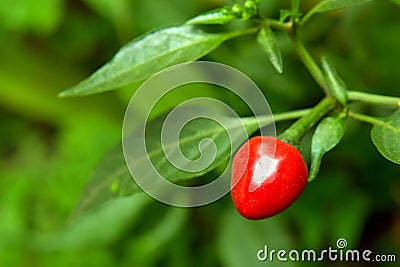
(295, 133)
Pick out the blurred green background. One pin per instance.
(49, 146)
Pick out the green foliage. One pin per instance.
(148, 55)
(266, 38)
(386, 137)
(217, 16)
(50, 147)
(336, 85)
(329, 5)
(327, 135)
(112, 178)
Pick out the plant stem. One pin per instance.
(282, 26)
(246, 31)
(265, 120)
(296, 132)
(389, 101)
(305, 18)
(289, 115)
(284, 116)
(295, 6)
(365, 118)
(310, 64)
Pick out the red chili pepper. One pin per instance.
(268, 175)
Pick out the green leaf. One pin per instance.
(386, 137)
(112, 178)
(327, 135)
(336, 85)
(189, 139)
(329, 5)
(288, 13)
(266, 38)
(217, 16)
(148, 55)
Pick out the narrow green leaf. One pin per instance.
(112, 178)
(266, 38)
(336, 85)
(329, 5)
(386, 137)
(217, 16)
(148, 55)
(288, 13)
(327, 135)
(189, 139)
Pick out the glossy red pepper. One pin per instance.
(268, 175)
